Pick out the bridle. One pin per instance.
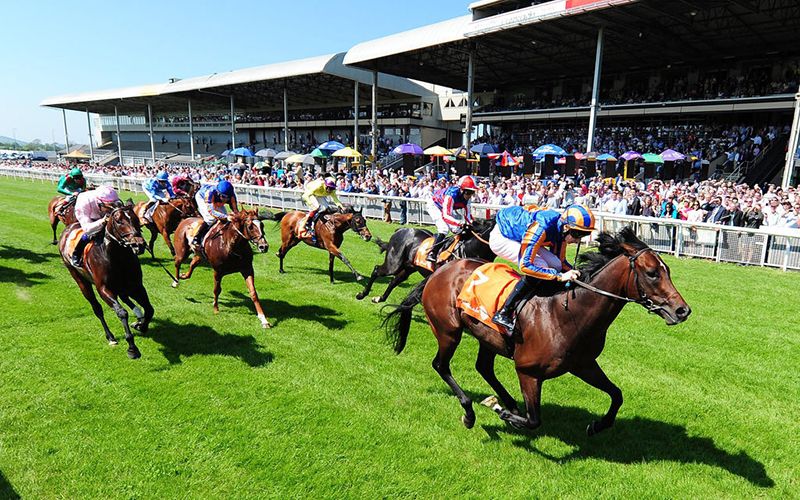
(121, 240)
(643, 300)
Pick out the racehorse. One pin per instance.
(166, 218)
(66, 215)
(402, 249)
(112, 266)
(329, 234)
(563, 331)
(226, 246)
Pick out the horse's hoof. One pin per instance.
(112, 342)
(266, 325)
(282, 271)
(184, 276)
(216, 311)
(591, 429)
(468, 422)
(376, 300)
(174, 284)
(359, 277)
(360, 296)
(137, 326)
(134, 353)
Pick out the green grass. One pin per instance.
(320, 406)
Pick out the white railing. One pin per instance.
(772, 247)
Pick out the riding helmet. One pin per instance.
(467, 183)
(75, 172)
(330, 183)
(106, 194)
(225, 188)
(578, 217)
(162, 176)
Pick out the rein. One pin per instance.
(478, 236)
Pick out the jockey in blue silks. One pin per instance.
(157, 190)
(537, 241)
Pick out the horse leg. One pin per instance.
(54, 225)
(398, 278)
(532, 393)
(593, 375)
(368, 286)
(165, 235)
(188, 274)
(153, 235)
(122, 314)
(88, 293)
(335, 252)
(285, 247)
(485, 366)
(330, 266)
(217, 289)
(448, 342)
(249, 279)
(145, 315)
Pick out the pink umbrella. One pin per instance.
(671, 155)
(579, 156)
(631, 155)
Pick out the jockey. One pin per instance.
(71, 184)
(537, 241)
(441, 207)
(92, 209)
(211, 200)
(157, 190)
(178, 182)
(316, 196)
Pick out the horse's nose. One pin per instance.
(683, 312)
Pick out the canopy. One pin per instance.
(284, 154)
(303, 159)
(241, 152)
(671, 155)
(652, 158)
(225, 153)
(579, 156)
(266, 153)
(438, 151)
(318, 153)
(549, 149)
(407, 149)
(331, 146)
(78, 155)
(507, 160)
(346, 153)
(606, 157)
(630, 155)
(483, 149)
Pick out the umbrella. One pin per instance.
(606, 157)
(259, 164)
(331, 146)
(266, 153)
(284, 154)
(671, 155)
(318, 153)
(561, 161)
(225, 153)
(346, 153)
(652, 158)
(579, 156)
(507, 160)
(438, 151)
(630, 155)
(241, 152)
(77, 154)
(295, 158)
(549, 149)
(591, 155)
(483, 148)
(407, 149)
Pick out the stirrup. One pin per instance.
(507, 323)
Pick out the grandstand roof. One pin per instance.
(319, 80)
(558, 39)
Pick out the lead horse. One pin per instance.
(562, 331)
(113, 267)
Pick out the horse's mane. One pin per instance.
(608, 246)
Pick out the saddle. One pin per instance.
(63, 205)
(421, 257)
(73, 238)
(192, 231)
(302, 232)
(485, 292)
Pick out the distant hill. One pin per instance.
(10, 140)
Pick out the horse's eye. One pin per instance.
(652, 273)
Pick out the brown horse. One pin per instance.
(329, 234)
(112, 266)
(166, 218)
(562, 331)
(65, 215)
(227, 248)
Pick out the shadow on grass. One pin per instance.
(21, 278)
(6, 490)
(178, 341)
(630, 441)
(8, 252)
(280, 310)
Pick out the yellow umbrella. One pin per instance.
(77, 154)
(438, 151)
(347, 153)
(296, 158)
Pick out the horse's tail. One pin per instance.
(381, 244)
(278, 216)
(397, 323)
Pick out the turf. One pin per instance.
(320, 406)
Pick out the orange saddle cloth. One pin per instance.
(73, 238)
(486, 290)
(421, 257)
(300, 230)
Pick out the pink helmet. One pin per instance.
(106, 194)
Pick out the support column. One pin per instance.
(374, 132)
(794, 141)
(355, 116)
(91, 138)
(119, 137)
(598, 62)
(285, 118)
(191, 129)
(470, 99)
(150, 129)
(233, 126)
(66, 131)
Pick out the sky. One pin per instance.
(51, 48)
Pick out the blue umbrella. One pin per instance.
(483, 149)
(606, 157)
(240, 152)
(331, 146)
(549, 149)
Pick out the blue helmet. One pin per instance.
(225, 188)
(162, 176)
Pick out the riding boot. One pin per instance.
(505, 316)
(438, 243)
(197, 241)
(77, 255)
(311, 223)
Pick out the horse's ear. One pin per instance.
(265, 215)
(129, 202)
(360, 210)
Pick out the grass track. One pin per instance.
(320, 406)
